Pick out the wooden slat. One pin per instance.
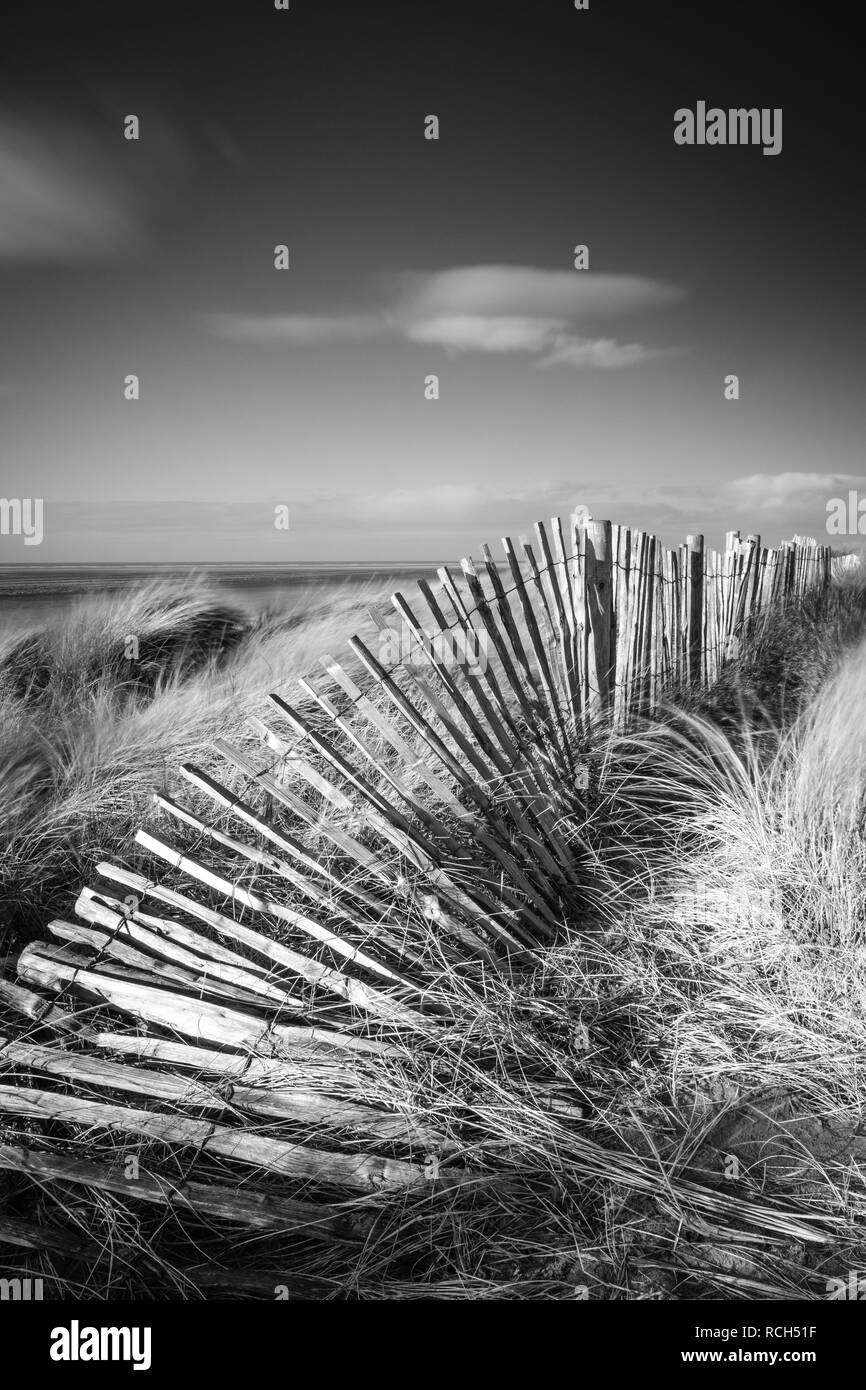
(420, 850)
(290, 1103)
(105, 948)
(243, 1206)
(563, 618)
(270, 862)
(533, 628)
(318, 872)
(694, 622)
(598, 608)
(412, 761)
(190, 1017)
(332, 1071)
(362, 996)
(40, 1011)
(299, 1162)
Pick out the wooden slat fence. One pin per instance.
(272, 944)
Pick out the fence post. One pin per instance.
(755, 574)
(598, 598)
(694, 621)
(648, 635)
(624, 560)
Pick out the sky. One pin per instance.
(268, 392)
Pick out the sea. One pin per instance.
(32, 596)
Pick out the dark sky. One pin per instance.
(410, 257)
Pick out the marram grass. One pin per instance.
(669, 1106)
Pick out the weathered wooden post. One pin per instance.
(694, 619)
(622, 610)
(598, 610)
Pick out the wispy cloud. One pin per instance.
(444, 518)
(74, 193)
(482, 507)
(445, 503)
(780, 493)
(491, 309)
(780, 503)
(478, 511)
(568, 350)
(527, 291)
(483, 333)
(296, 329)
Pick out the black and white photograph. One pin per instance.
(432, 670)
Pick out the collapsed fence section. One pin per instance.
(280, 939)
(438, 780)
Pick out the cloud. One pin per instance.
(479, 333)
(525, 291)
(313, 329)
(443, 519)
(146, 516)
(446, 502)
(569, 350)
(491, 309)
(483, 508)
(779, 503)
(782, 493)
(478, 510)
(69, 193)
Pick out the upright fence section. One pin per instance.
(631, 619)
(282, 923)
